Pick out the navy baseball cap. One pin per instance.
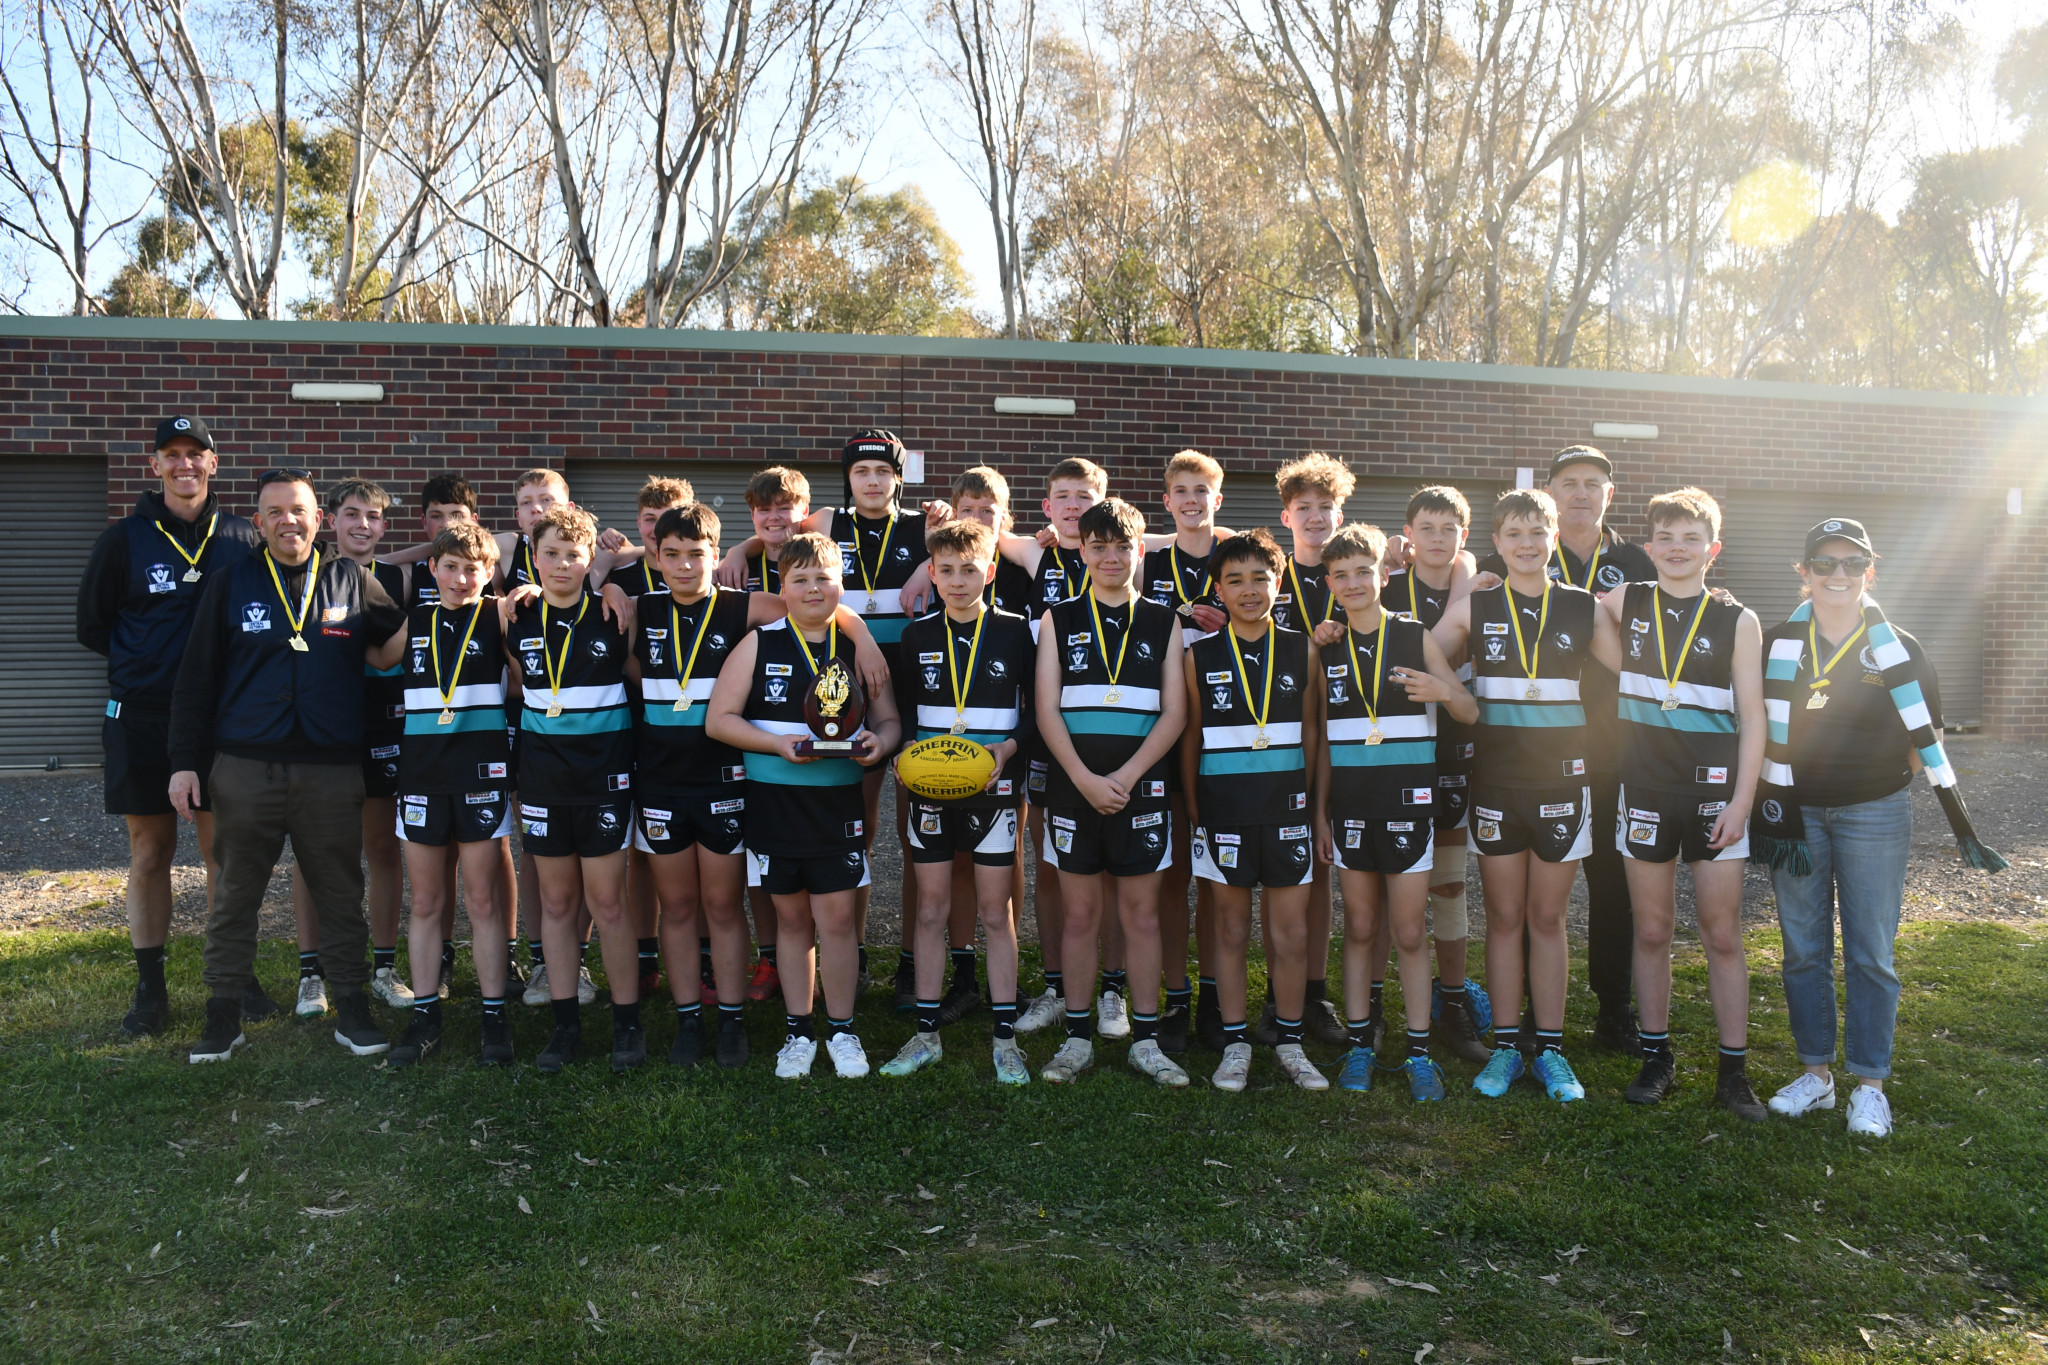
(174, 426)
(1839, 528)
(1572, 455)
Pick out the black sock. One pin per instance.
(494, 1009)
(1655, 1042)
(1233, 1033)
(1550, 1040)
(625, 1016)
(1080, 1024)
(1056, 982)
(1377, 999)
(1205, 996)
(1418, 1043)
(1143, 1026)
(1360, 1031)
(725, 1012)
(1290, 1030)
(1006, 1019)
(1454, 996)
(798, 1026)
(427, 1006)
(863, 957)
(963, 968)
(768, 953)
(1116, 981)
(1178, 998)
(149, 968)
(906, 963)
(650, 953)
(1507, 1035)
(536, 953)
(835, 1027)
(567, 1014)
(380, 958)
(927, 1016)
(447, 952)
(1733, 1058)
(309, 964)
(583, 954)
(1314, 989)
(691, 1014)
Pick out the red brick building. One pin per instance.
(1952, 486)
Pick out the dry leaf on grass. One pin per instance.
(1045, 1322)
(524, 1207)
(1411, 1284)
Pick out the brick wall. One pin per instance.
(490, 410)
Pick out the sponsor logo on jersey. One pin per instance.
(1417, 796)
(1575, 767)
(778, 670)
(1401, 826)
(384, 751)
(1712, 807)
(1154, 788)
(1222, 676)
(533, 812)
(653, 814)
(1151, 818)
(328, 614)
(1710, 776)
(1080, 637)
(778, 691)
(535, 643)
(1555, 809)
(1060, 822)
(1652, 816)
(479, 798)
(490, 770)
(930, 656)
(736, 804)
(1496, 650)
(618, 782)
(1221, 697)
(1640, 832)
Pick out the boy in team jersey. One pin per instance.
(1691, 713)
(1387, 690)
(1248, 757)
(967, 670)
(1438, 522)
(455, 786)
(575, 779)
(1110, 705)
(1528, 640)
(805, 825)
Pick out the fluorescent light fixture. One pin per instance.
(337, 393)
(1626, 431)
(1036, 407)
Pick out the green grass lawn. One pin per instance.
(297, 1203)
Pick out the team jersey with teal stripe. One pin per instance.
(585, 754)
(1107, 733)
(472, 751)
(675, 757)
(796, 810)
(1524, 740)
(1692, 747)
(1366, 779)
(878, 554)
(998, 693)
(1239, 782)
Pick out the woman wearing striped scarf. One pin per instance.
(1853, 710)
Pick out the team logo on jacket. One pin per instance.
(160, 578)
(255, 616)
(1609, 575)
(778, 691)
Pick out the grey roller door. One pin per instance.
(1924, 583)
(609, 490)
(1254, 500)
(53, 693)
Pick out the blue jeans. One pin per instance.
(1859, 869)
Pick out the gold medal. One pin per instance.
(447, 717)
(1529, 657)
(297, 642)
(557, 665)
(554, 709)
(1116, 670)
(1259, 741)
(447, 694)
(1817, 702)
(1535, 692)
(868, 607)
(1671, 674)
(1819, 698)
(682, 703)
(959, 727)
(962, 685)
(1112, 696)
(1379, 670)
(1272, 666)
(675, 632)
(1375, 737)
(1671, 700)
(1186, 609)
(296, 620)
(870, 580)
(192, 575)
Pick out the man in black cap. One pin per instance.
(269, 704)
(1590, 555)
(135, 607)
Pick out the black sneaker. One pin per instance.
(355, 1028)
(223, 1032)
(1173, 1030)
(1455, 1029)
(497, 1045)
(1322, 1024)
(560, 1051)
(688, 1048)
(1266, 1033)
(906, 986)
(422, 1036)
(1658, 1078)
(255, 1004)
(732, 1043)
(629, 1047)
(1616, 1031)
(1733, 1093)
(149, 1015)
(962, 998)
(1209, 1022)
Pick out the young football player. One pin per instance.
(1692, 747)
(1387, 688)
(805, 826)
(967, 670)
(1110, 705)
(1528, 640)
(1248, 758)
(455, 787)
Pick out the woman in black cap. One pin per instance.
(1853, 709)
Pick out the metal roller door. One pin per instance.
(1254, 500)
(609, 490)
(1926, 586)
(53, 692)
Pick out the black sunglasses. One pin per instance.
(1824, 565)
(284, 476)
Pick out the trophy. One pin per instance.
(833, 708)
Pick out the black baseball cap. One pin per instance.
(1838, 528)
(1572, 455)
(174, 426)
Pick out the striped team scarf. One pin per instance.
(1777, 834)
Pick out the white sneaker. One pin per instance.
(849, 1058)
(586, 989)
(1011, 1068)
(386, 986)
(312, 997)
(1075, 1056)
(1807, 1091)
(1112, 1016)
(1043, 1010)
(1146, 1058)
(920, 1052)
(794, 1061)
(1236, 1070)
(1870, 1113)
(1299, 1068)
(537, 992)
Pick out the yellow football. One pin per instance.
(945, 767)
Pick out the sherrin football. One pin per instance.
(945, 767)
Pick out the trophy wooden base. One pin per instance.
(825, 748)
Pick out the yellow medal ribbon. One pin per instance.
(675, 634)
(1527, 657)
(1684, 651)
(192, 573)
(447, 693)
(298, 622)
(1187, 604)
(1414, 612)
(557, 668)
(1592, 565)
(831, 643)
(1259, 740)
(867, 580)
(1379, 669)
(1819, 699)
(764, 573)
(961, 687)
(1114, 695)
(1301, 603)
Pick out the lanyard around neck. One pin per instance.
(962, 685)
(831, 643)
(1187, 604)
(1115, 671)
(1265, 707)
(1592, 565)
(192, 560)
(558, 668)
(675, 636)
(297, 622)
(1684, 651)
(447, 693)
(1379, 669)
(867, 580)
(1301, 603)
(1820, 674)
(1528, 658)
